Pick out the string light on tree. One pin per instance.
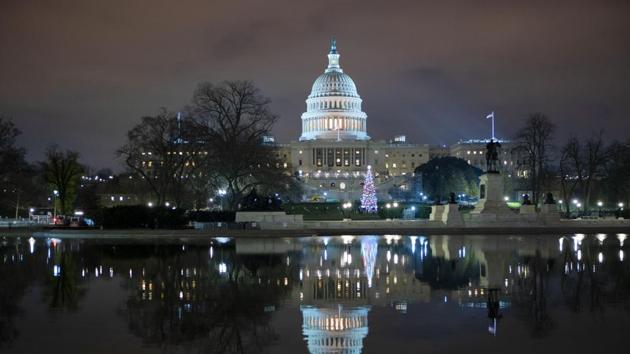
(368, 199)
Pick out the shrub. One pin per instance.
(140, 216)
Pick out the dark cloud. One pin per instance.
(81, 73)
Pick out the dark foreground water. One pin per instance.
(369, 294)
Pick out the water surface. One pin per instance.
(348, 294)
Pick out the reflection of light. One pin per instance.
(301, 275)
(579, 255)
(413, 243)
(389, 255)
(395, 258)
(390, 238)
(211, 251)
(560, 241)
(222, 268)
(56, 270)
(222, 240)
(31, 242)
(347, 239)
(577, 240)
(493, 327)
(621, 255)
(600, 257)
(369, 249)
(621, 237)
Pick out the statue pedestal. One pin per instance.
(528, 209)
(549, 212)
(491, 205)
(451, 216)
(437, 212)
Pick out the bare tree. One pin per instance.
(617, 170)
(570, 168)
(164, 153)
(235, 118)
(14, 170)
(595, 156)
(62, 172)
(580, 165)
(535, 140)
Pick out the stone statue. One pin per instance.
(492, 156)
(549, 199)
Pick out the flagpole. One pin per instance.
(493, 126)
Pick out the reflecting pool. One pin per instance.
(347, 294)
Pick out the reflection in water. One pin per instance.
(330, 330)
(222, 296)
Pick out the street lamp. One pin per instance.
(600, 204)
(55, 195)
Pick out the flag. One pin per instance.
(491, 115)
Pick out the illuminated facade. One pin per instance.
(334, 148)
(474, 150)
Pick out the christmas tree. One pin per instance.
(368, 199)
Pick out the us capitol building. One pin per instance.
(335, 150)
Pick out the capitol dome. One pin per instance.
(334, 83)
(333, 109)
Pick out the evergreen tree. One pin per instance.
(368, 199)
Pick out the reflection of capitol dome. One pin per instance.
(338, 331)
(333, 109)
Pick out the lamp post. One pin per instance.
(600, 204)
(55, 195)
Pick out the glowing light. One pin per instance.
(600, 257)
(621, 255)
(31, 243)
(621, 238)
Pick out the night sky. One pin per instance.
(81, 73)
